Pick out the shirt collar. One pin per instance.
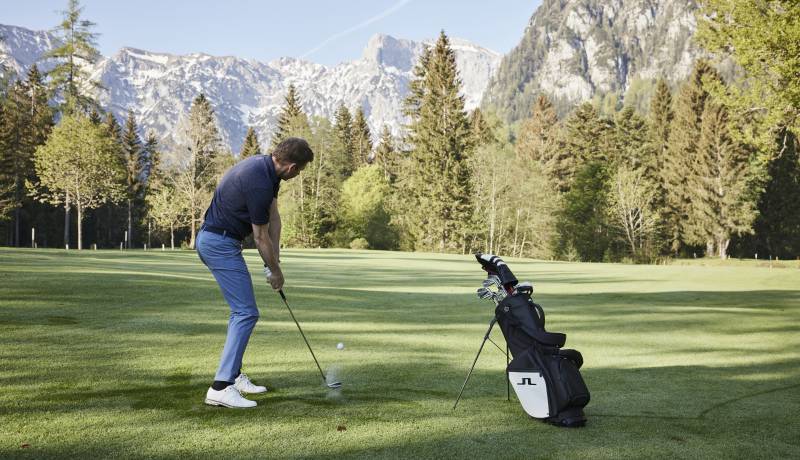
(271, 169)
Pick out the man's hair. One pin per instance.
(293, 150)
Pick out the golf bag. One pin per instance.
(545, 376)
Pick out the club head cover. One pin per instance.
(494, 265)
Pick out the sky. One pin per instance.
(326, 32)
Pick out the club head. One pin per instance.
(484, 293)
(334, 385)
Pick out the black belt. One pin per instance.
(221, 231)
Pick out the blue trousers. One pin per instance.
(223, 256)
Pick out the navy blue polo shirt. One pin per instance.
(244, 196)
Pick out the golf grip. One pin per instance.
(283, 296)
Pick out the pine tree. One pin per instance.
(250, 146)
(586, 138)
(152, 168)
(291, 118)
(439, 186)
(69, 76)
(385, 154)
(631, 145)
(200, 167)
(342, 151)
(718, 182)
(538, 142)
(480, 128)
(684, 134)
(113, 129)
(307, 192)
(94, 116)
(659, 121)
(134, 164)
(362, 139)
(27, 122)
(583, 223)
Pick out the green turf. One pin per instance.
(105, 354)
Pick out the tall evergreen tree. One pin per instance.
(306, 194)
(69, 77)
(134, 162)
(342, 151)
(441, 141)
(291, 117)
(586, 138)
(152, 154)
(631, 146)
(659, 121)
(583, 223)
(538, 136)
(200, 165)
(386, 155)
(250, 146)
(362, 139)
(721, 206)
(27, 122)
(683, 137)
(480, 128)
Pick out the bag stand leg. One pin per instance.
(508, 381)
(469, 374)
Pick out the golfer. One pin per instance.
(245, 201)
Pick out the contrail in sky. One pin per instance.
(369, 21)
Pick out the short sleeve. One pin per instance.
(258, 202)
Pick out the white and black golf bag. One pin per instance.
(545, 376)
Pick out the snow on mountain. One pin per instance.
(160, 87)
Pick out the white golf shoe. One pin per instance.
(229, 397)
(244, 385)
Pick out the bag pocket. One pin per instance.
(571, 387)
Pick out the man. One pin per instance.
(245, 201)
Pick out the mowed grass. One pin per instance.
(105, 354)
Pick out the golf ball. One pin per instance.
(340, 346)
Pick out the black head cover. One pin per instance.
(495, 266)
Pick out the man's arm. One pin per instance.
(261, 236)
(275, 228)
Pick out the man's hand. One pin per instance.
(275, 279)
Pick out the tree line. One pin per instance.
(709, 166)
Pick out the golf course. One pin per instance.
(108, 354)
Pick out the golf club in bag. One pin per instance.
(545, 376)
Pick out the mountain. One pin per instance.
(160, 87)
(573, 50)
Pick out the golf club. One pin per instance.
(331, 385)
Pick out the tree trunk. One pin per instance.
(172, 237)
(80, 225)
(191, 240)
(66, 220)
(16, 226)
(722, 246)
(130, 225)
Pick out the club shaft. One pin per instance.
(303, 335)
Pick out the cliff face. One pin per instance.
(575, 49)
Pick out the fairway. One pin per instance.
(109, 354)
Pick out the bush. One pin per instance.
(359, 243)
